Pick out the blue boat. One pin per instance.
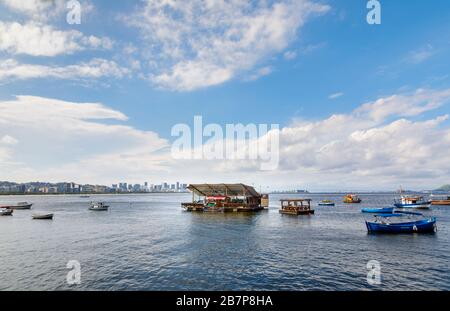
(383, 224)
(382, 210)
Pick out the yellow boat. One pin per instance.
(352, 198)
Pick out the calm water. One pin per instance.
(145, 242)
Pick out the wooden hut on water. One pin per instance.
(296, 207)
(225, 198)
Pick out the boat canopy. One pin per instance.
(216, 190)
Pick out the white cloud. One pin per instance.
(371, 148)
(290, 55)
(36, 9)
(43, 40)
(375, 146)
(335, 95)
(420, 55)
(96, 68)
(195, 44)
(61, 140)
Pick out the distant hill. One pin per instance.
(445, 188)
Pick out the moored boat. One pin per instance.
(352, 198)
(98, 206)
(381, 210)
(42, 216)
(326, 203)
(6, 212)
(20, 205)
(412, 202)
(296, 207)
(384, 223)
(440, 200)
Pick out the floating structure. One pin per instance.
(412, 202)
(381, 210)
(225, 198)
(20, 205)
(352, 198)
(440, 199)
(326, 203)
(384, 223)
(42, 216)
(98, 206)
(6, 212)
(296, 207)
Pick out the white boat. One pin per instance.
(98, 206)
(42, 216)
(6, 212)
(20, 205)
(412, 202)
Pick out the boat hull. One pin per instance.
(440, 202)
(19, 207)
(422, 226)
(6, 212)
(384, 210)
(425, 205)
(326, 204)
(98, 208)
(43, 217)
(306, 212)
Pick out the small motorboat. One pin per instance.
(42, 216)
(6, 212)
(98, 206)
(412, 202)
(381, 210)
(385, 223)
(352, 198)
(20, 205)
(326, 203)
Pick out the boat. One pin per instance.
(412, 202)
(98, 206)
(6, 212)
(296, 207)
(440, 199)
(84, 196)
(384, 223)
(20, 205)
(225, 198)
(352, 198)
(326, 203)
(381, 210)
(42, 216)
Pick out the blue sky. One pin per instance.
(313, 60)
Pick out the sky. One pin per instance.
(359, 106)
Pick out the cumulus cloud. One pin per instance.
(379, 144)
(59, 139)
(36, 39)
(96, 68)
(36, 9)
(375, 145)
(196, 44)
